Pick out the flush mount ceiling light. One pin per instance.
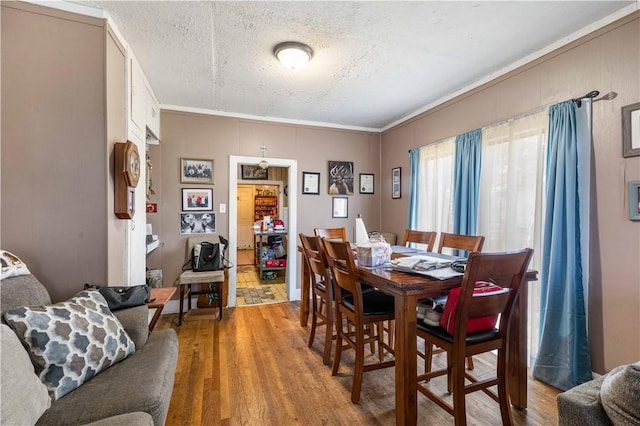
(293, 54)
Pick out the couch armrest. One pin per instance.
(136, 323)
(581, 406)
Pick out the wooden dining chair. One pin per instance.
(321, 292)
(420, 237)
(332, 233)
(355, 311)
(470, 243)
(505, 270)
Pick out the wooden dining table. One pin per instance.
(407, 289)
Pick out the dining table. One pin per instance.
(407, 289)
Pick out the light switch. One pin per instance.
(223, 208)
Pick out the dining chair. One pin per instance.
(321, 292)
(505, 270)
(355, 311)
(470, 243)
(332, 233)
(419, 237)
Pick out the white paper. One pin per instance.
(431, 266)
(361, 232)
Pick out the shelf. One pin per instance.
(152, 246)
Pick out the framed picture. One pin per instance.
(196, 171)
(197, 223)
(310, 183)
(340, 207)
(634, 200)
(395, 183)
(631, 130)
(366, 183)
(254, 172)
(196, 199)
(340, 177)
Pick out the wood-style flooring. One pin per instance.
(254, 368)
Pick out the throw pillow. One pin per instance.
(12, 266)
(24, 396)
(72, 341)
(619, 394)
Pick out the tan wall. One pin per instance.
(606, 61)
(200, 136)
(54, 203)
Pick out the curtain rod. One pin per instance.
(578, 101)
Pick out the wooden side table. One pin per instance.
(160, 296)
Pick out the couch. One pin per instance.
(134, 391)
(611, 399)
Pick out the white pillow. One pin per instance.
(12, 266)
(24, 396)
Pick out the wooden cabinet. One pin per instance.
(265, 206)
(152, 118)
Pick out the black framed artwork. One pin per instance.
(311, 183)
(395, 182)
(366, 183)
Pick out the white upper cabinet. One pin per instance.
(152, 118)
(137, 104)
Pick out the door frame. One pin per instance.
(293, 292)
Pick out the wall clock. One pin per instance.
(126, 174)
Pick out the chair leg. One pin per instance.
(314, 319)
(328, 335)
(459, 406)
(469, 363)
(503, 397)
(428, 356)
(336, 361)
(358, 370)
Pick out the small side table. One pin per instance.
(160, 296)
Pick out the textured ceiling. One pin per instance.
(374, 62)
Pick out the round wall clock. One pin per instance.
(131, 164)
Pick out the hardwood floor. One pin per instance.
(254, 368)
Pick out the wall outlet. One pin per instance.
(223, 208)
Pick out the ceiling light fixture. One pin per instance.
(263, 164)
(293, 54)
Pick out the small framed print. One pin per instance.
(395, 183)
(254, 172)
(366, 183)
(311, 183)
(196, 171)
(197, 223)
(196, 199)
(634, 200)
(340, 207)
(631, 130)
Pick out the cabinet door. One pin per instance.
(137, 116)
(152, 117)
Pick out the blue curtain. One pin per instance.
(414, 178)
(466, 182)
(564, 360)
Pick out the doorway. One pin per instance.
(235, 189)
(258, 199)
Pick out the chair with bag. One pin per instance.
(469, 243)
(359, 315)
(489, 291)
(204, 269)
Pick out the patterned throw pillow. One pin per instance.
(72, 341)
(12, 266)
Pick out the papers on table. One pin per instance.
(431, 266)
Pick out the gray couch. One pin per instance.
(611, 399)
(135, 391)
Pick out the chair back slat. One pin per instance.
(332, 233)
(468, 243)
(343, 269)
(419, 237)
